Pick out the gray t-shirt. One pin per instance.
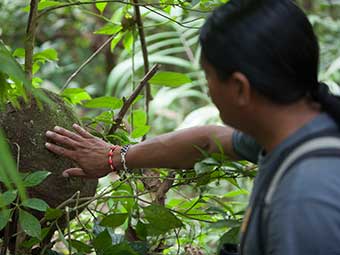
(304, 216)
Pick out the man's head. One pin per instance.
(258, 51)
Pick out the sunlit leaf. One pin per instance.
(101, 7)
(104, 102)
(140, 131)
(170, 79)
(48, 54)
(108, 29)
(76, 95)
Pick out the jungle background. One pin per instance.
(95, 55)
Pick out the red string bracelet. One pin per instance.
(110, 154)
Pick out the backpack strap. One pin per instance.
(317, 144)
(320, 146)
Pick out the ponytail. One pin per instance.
(329, 103)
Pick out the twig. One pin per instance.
(80, 68)
(164, 188)
(18, 156)
(178, 242)
(30, 38)
(141, 33)
(68, 230)
(132, 98)
(170, 19)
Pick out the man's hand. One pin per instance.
(89, 152)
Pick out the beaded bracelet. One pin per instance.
(110, 154)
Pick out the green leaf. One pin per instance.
(140, 131)
(203, 168)
(139, 118)
(29, 224)
(8, 170)
(170, 79)
(8, 197)
(114, 220)
(43, 5)
(36, 178)
(235, 193)
(102, 241)
(36, 204)
(28, 244)
(106, 117)
(101, 7)
(10, 66)
(120, 249)
(53, 213)
(4, 217)
(76, 95)
(128, 42)
(116, 40)
(109, 29)
(19, 52)
(80, 246)
(48, 54)
(141, 230)
(161, 219)
(104, 102)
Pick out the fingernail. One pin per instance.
(56, 128)
(75, 125)
(65, 174)
(49, 133)
(47, 144)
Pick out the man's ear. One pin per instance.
(242, 88)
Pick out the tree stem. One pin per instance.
(141, 33)
(30, 38)
(132, 98)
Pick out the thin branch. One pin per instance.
(164, 188)
(141, 33)
(171, 19)
(132, 98)
(80, 68)
(30, 38)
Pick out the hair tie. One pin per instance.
(320, 92)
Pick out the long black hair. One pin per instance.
(273, 43)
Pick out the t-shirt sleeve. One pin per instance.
(245, 146)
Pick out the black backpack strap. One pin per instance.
(317, 147)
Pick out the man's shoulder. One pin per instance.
(311, 178)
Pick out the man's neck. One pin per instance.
(277, 123)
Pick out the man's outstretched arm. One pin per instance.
(176, 150)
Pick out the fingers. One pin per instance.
(62, 140)
(60, 151)
(76, 172)
(82, 131)
(67, 133)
